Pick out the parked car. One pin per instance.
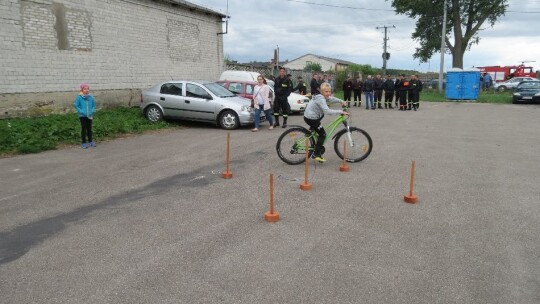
(511, 83)
(527, 91)
(232, 75)
(297, 102)
(197, 101)
(434, 84)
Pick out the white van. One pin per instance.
(243, 76)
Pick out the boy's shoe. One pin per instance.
(92, 144)
(254, 130)
(318, 158)
(84, 146)
(271, 127)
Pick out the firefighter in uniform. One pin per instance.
(388, 87)
(283, 87)
(414, 93)
(378, 89)
(357, 90)
(396, 84)
(347, 91)
(301, 87)
(402, 87)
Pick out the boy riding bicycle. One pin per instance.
(314, 113)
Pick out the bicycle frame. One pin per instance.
(329, 129)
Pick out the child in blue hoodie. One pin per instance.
(86, 106)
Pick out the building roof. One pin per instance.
(334, 60)
(196, 7)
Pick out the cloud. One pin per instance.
(257, 27)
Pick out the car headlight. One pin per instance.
(517, 94)
(537, 94)
(246, 108)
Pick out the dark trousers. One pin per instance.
(388, 97)
(347, 95)
(414, 99)
(315, 124)
(378, 98)
(402, 100)
(86, 129)
(357, 95)
(281, 107)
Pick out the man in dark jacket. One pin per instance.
(347, 90)
(402, 87)
(301, 87)
(388, 87)
(396, 83)
(368, 90)
(414, 93)
(378, 89)
(283, 87)
(314, 85)
(357, 91)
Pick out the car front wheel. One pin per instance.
(154, 114)
(229, 120)
(501, 88)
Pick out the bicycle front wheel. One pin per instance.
(291, 145)
(358, 149)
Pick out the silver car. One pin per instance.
(512, 83)
(197, 101)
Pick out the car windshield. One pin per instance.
(218, 90)
(529, 85)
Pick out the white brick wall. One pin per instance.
(111, 44)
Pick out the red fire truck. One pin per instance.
(503, 73)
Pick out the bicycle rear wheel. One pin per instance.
(359, 149)
(291, 145)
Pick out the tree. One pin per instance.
(313, 67)
(465, 19)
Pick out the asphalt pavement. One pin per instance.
(149, 219)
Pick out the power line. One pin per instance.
(342, 6)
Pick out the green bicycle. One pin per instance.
(291, 145)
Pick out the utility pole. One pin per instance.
(443, 36)
(385, 55)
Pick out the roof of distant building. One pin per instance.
(334, 60)
(196, 7)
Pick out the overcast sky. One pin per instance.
(346, 29)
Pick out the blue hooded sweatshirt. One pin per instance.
(85, 105)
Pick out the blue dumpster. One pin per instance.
(462, 84)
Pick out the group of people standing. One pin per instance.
(405, 91)
(317, 80)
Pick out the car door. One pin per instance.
(199, 104)
(171, 99)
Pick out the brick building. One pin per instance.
(118, 46)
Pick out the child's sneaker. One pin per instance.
(318, 158)
(92, 144)
(84, 146)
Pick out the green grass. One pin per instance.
(483, 97)
(33, 135)
(434, 95)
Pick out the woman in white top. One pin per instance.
(261, 94)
